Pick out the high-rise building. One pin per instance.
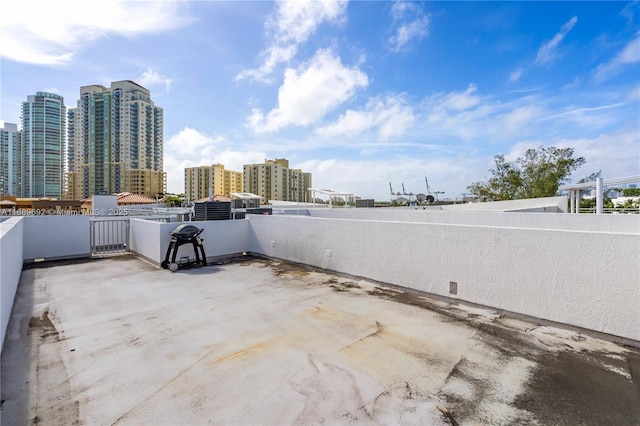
(299, 184)
(200, 182)
(9, 159)
(273, 180)
(115, 142)
(43, 119)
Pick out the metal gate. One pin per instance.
(109, 236)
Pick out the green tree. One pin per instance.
(592, 177)
(631, 192)
(538, 173)
(173, 200)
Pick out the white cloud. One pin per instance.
(151, 77)
(460, 101)
(52, 32)
(53, 90)
(390, 115)
(577, 81)
(443, 108)
(616, 153)
(370, 178)
(520, 117)
(291, 24)
(549, 50)
(475, 118)
(629, 55)
(596, 117)
(192, 148)
(634, 94)
(410, 24)
(309, 93)
(515, 75)
(190, 141)
(464, 115)
(628, 11)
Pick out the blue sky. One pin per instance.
(358, 93)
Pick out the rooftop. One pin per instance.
(253, 340)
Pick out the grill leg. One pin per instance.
(204, 256)
(195, 250)
(175, 251)
(165, 263)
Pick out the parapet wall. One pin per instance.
(574, 222)
(56, 237)
(586, 278)
(221, 238)
(11, 245)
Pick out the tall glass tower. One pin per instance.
(42, 143)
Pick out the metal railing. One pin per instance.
(619, 210)
(109, 236)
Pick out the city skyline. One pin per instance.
(359, 94)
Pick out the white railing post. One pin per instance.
(599, 196)
(573, 201)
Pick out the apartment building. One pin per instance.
(200, 182)
(115, 142)
(9, 158)
(274, 180)
(41, 160)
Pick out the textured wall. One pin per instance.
(144, 239)
(11, 244)
(56, 237)
(579, 222)
(583, 278)
(221, 237)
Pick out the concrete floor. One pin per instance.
(119, 341)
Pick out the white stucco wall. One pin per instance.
(584, 222)
(104, 205)
(583, 278)
(547, 204)
(144, 239)
(11, 245)
(221, 238)
(56, 237)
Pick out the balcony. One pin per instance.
(327, 315)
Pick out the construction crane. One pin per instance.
(411, 198)
(398, 199)
(396, 194)
(404, 192)
(429, 191)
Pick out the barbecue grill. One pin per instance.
(184, 234)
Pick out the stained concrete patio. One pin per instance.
(256, 341)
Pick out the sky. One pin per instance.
(362, 94)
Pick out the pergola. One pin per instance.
(330, 192)
(247, 196)
(598, 184)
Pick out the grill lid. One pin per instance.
(186, 232)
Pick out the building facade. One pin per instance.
(204, 181)
(42, 141)
(115, 142)
(274, 180)
(9, 159)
